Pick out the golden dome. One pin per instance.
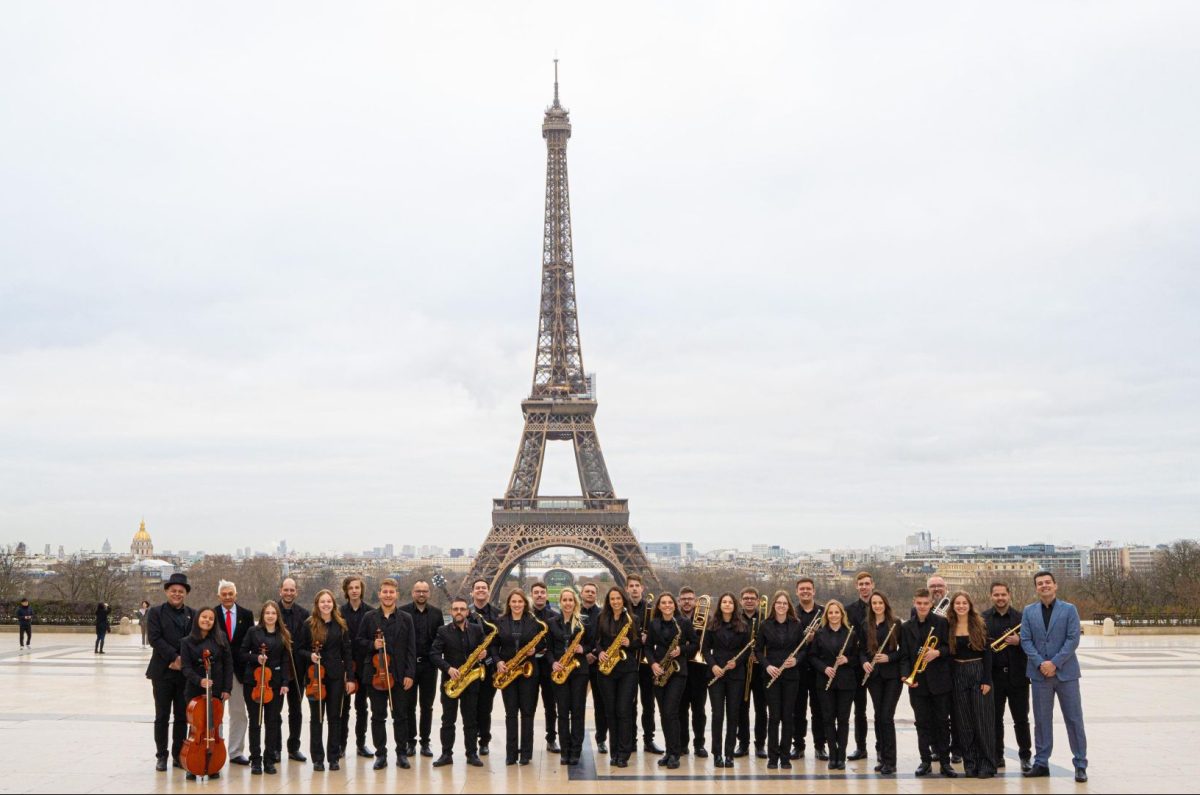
(141, 534)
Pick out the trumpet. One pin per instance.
(930, 643)
(846, 643)
(881, 648)
(700, 622)
(943, 607)
(999, 643)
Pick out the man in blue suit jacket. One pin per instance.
(1050, 636)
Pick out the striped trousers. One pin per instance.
(974, 717)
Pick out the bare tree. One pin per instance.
(13, 578)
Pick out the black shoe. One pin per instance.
(564, 759)
(1081, 774)
(365, 752)
(887, 770)
(296, 756)
(443, 760)
(879, 767)
(552, 747)
(524, 760)
(474, 761)
(1026, 765)
(1037, 771)
(923, 769)
(621, 763)
(161, 765)
(740, 751)
(649, 747)
(425, 750)
(1000, 763)
(773, 764)
(760, 752)
(785, 763)
(601, 747)
(701, 752)
(239, 760)
(986, 774)
(820, 753)
(270, 769)
(256, 768)
(402, 761)
(380, 763)
(797, 753)
(510, 760)
(483, 749)
(663, 762)
(956, 758)
(948, 772)
(672, 763)
(190, 776)
(333, 765)
(858, 754)
(410, 749)
(319, 767)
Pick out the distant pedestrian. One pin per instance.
(144, 623)
(25, 620)
(101, 626)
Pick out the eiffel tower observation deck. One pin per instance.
(561, 406)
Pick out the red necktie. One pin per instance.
(229, 624)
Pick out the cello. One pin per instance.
(262, 692)
(203, 752)
(316, 684)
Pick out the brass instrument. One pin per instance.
(472, 669)
(761, 617)
(881, 648)
(521, 664)
(741, 651)
(648, 600)
(943, 607)
(568, 661)
(614, 653)
(669, 664)
(930, 643)
(846, 643)
(999, 643)
(700, 622)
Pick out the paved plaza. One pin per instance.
(75, 722)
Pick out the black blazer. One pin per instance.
(293, 618)
(659, 637)
(936, 679)
(335, 651)
(515, 634)
(1008, 665)
(424, 635)
(721, 642)
(856, 612)
(823, 652)
(451, 645)
(606, 635)
(354, 621)
(220, 663)
(242, 624)
(166, 636)
(889, 669)
(561, 634)
(488, 614)
(247, 663)
(776, 642)
(401, 645)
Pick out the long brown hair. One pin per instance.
(609, 622)
(888, 620)
(976, 631)
(738, 622)
(285, 634)
(658, 602)
(316, 626)
(791, 611)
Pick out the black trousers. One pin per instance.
(695, 697)
(272, 716)
(726, 698)
(598, 704)
(324, 722)
(483, 707)
(170, 700)
(806, 700)
(100, 633)
(668, 697)
(931, 715)
(758, 695)
(1017, 698)
(520, 707)
(885, 695)
(468, 705)
(781, 716)
(975, 718)
(361, 718)
(835, 711)
(424, 689)
(379, 715)
(26, 633)
(860, 719)
(619, 691)
(571, 703)
(545, 667)
(646, 693)
(295, 697)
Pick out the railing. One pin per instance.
(566, 504)
(1149, 619)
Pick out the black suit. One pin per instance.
(883, 685)
(546, 686)
(359, 699)
(401, 644)
(776, 642)
(722, 642)
(166, 629)
(837, 697)
(293, 618)
(243, 621)
(758, 694)
(931, 697)
(807, 688)
(601, 734)
(451, 647)
(426, 623)
(659, 637)
(520, 697)
(695, 696)
(336, 659)
(1009, 682)
(571, 696)
(486, 696)
(856, 615)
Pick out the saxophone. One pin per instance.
(568, 661)
(520, 665)
(669, 664)
(472, 669)
(614, 652)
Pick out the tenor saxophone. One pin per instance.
(614, 653)
(568, 661)
(521, 664)
(472, 670)
(669, 664)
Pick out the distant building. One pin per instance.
(961, 575)
(1061, 561)
(919, 542)
(107, 548)
(1106, 558)
(669, 549)
(1142, 560)
(141, 546)
(21, 549)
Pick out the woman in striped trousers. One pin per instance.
(972, 697)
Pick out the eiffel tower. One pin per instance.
(561, 406)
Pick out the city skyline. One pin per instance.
(862, 292)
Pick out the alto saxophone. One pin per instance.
(614, 653)
(520, 665)
(568, 661)
(472, 670)
(668, 663)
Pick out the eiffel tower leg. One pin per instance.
(527, 470)
(593, 473)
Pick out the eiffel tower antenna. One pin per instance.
(561, 407)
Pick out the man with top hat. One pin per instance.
(168, 624)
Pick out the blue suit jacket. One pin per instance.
(1056, 644)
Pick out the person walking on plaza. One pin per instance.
(101, 626)
(143, 613)
(235, 621)
(1050, 637)
(167, 626)
(25, 622)
(1009, 683)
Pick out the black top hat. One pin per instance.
(178, 579)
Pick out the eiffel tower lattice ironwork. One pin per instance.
(561, 406)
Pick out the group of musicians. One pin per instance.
(789, 660)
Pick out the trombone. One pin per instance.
(700, 622)
(648, 599)
(930, 643)
(999, 643)
(757, 620)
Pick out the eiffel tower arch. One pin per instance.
(561, 407)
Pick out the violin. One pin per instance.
(315, 689)
(203, 753)
(262, 692)
(382, 679)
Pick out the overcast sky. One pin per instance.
(844, 272)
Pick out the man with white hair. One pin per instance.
(235, 621)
